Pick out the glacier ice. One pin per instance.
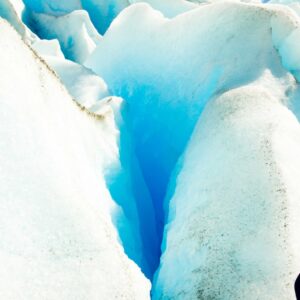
(149, 137)
(75, 32)
(170, 8)
(56, 229)
(246, 188)
(8, 12)
(210, 57)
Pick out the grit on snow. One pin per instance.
(149, 149)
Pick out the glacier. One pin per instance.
(149, 149)
(50, 242)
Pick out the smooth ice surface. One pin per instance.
(8, 12)
(57, 237)
(102, 12)
(169, 8)
(53, 7)
(233, 225)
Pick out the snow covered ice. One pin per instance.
(149, 149)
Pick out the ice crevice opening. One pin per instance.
(164, 107)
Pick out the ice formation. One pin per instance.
(149, 145)
(57, 239)
(241, 240)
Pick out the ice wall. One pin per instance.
(204, 51)
(233, 225)
(57, 236)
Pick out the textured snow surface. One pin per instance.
(57, 238)
(150, 139)
(238, 189)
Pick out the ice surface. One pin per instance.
(8, 12)
(84, 85)
(199, 56)
(75, 32)
(169, 8)
(57, 237)
(102, 12)
(233, 225)
(98, 176)
(53, 7)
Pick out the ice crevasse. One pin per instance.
(149, 146)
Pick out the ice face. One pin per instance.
(75, 32)
(53, 7)
(8, 12)
(241, 209)
(199, 57)
(57, 237)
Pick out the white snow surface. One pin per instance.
(233, 224)
(57, 236)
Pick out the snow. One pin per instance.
(57, 236)
(238, 189)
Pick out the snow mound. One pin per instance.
(233, 232)
(57, 237)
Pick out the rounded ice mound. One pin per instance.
(233, 232)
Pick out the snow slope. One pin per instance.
(233, 225)
(57, 237)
